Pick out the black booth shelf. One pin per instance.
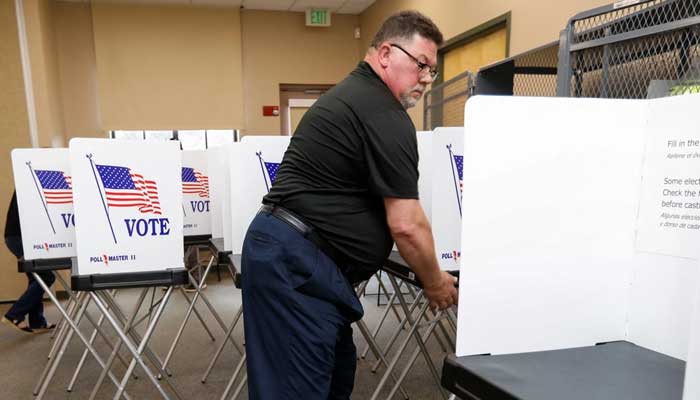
(48, 264)
(169, 277)
(609, 371)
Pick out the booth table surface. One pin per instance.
(398, 267)
(611, 371)
(197, 240)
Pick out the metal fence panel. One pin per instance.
(444, 103)
(634, 51)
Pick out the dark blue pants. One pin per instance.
(31, 301)
(297, 308)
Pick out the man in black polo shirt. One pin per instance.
(346, 190)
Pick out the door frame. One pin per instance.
(296, 103)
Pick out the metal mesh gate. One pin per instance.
(632, 49)
(444, 103)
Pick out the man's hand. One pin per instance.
(411, 230)
(442, 294)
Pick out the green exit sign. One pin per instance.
(318, 17)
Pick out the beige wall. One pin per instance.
(45, 75)
(14, 128)
(279, 48)
(168, 67)
(121, 67)
(77, 69)
(533, 23)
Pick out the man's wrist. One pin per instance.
(434, 282)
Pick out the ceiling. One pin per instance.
(336, 6)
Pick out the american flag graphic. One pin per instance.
(459, 163)
(193, 182)
(272, 169)
(125, 188)
(269, 171)
(56, 186)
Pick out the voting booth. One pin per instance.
(44, 189)
(254, 165)
(130, 196)
(195, 194)
(448, 160)
(577, 230)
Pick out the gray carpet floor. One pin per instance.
(24, 356)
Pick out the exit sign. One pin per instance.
(318, 17)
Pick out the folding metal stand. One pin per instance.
(370, 338)
(192, 245)
(233, 260)
(95, 288)
(71, 310)
(397, 268)
(390, 307)
(221, 256)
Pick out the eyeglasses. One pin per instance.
(433, 72)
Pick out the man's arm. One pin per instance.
(411, 230)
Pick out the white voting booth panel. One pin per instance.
(692, 369)
(669, 219)
(549, 204)
(446, 202)
(217, 164)
(195, 193)
(129, 197)
(254, 166)
(226, 195)
(665, 282)
(425, 171)
(45, 202)
(549, 230)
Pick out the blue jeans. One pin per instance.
(31, 302)
(298, 308)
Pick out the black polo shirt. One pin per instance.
(353, 147)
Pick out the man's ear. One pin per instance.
(383, 53)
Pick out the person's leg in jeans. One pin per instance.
(30, 302)
(298, 308)
(23, 304)
(345, 365)
(36, 314)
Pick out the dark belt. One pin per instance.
(307, 231)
